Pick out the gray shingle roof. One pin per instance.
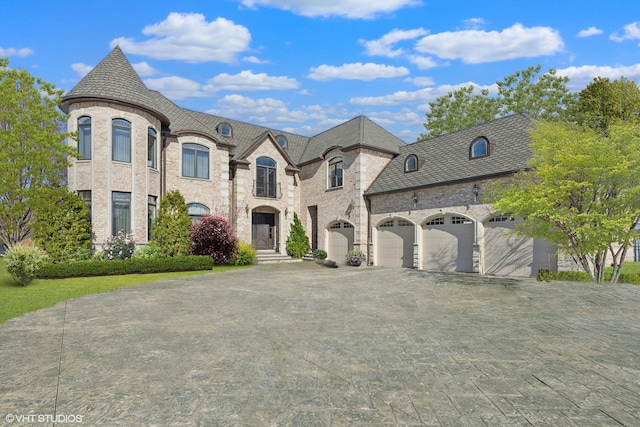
(114, 79)
(359, 131)
(446, 157)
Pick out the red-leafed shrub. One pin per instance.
(213, 236)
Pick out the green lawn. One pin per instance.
(627, 268)
(16, 300)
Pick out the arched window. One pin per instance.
(121, 140)
(282, 141)
(335, 172)
(152, 148)
(266, 177)
(195, 161)
(479, 148)
(224, 129)
(411, 163)
(196, 211)
(84, 138)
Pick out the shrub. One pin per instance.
(23, 262)
(297, 243)
(61, 226)
(245, 254)
(150, 250)
(544, 276)
(355, 256)
(170, 229)
(120, 246)
(319, 254)
(213, 236)
(131, 266)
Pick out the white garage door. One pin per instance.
(507, 254)
(395, 243)
(448, 244)
(340, 241)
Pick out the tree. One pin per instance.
(582, 191)
(170, 229)
(61, 226)
(33, 153)
(213, 236)
(604, 102)
(297, 243)
(544, 97)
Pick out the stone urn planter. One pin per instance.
(355, 257)
(319, 255)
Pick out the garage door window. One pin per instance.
(436, 221)
(460, 220)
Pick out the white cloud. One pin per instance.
(630, 32)
(423, 62)
(357, 71)
(474, 46)
(254, 60)
(414, 97)
(591, 31)
(189, 37)
(353, 9)
(420, 81)
(12, 51)
(473, 23)
(383, 46)
(144, 69)
(246, 80)
(264, 111)
(81, 69)
(175, 87)
(582, 76)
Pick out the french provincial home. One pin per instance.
(355, 185)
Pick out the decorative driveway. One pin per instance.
(303, 345)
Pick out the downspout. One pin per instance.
(367, 201)
(163, 164)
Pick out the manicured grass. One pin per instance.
(16, 300)
(627, 268)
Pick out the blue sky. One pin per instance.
(305, 66)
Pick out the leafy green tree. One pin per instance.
(298, 242)
(172, 225)
(543, 97)
(459, 109)
(582, 192)
(604, 102)
(61, 225)
(33, 153)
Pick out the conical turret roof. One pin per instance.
(114, 79)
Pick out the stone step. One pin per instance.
(267, 257)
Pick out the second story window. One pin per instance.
(152, 148)
(224, 129)
(411, 163)
(84, 138)
(195, 161)
(479, 148)
(121, 140)
(335, 172)
(265, 177)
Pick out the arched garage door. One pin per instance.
(395, 243)
(340, 240)
(507, 254)
(448, 244)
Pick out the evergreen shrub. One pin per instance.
(297, 243)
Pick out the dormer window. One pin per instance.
(282, 141)
(411, 163)
(224, 129)
(479, 148)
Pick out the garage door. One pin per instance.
(340, 241)
(507, 254)
(395, 243)
(448, 244)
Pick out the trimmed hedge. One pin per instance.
(581, 276)
(129, 266)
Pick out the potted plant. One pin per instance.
(319, 255)
(355, 257)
